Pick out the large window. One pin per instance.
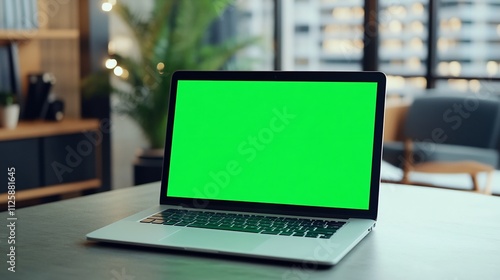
(452, 45)
(403, 41)
(322, 34)
(469, 38)
(256, 19)
(468, 57)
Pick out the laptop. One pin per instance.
(275, 165)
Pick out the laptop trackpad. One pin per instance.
(216, 240)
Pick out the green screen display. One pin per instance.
(297, 143)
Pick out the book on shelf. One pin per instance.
(8, 15)
(2, 15)
(18, 14)
(10, 80)
(5, 71)
(15, 73)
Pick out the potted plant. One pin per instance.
(9, 111)
(171, 38)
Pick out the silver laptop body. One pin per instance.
(286, 164)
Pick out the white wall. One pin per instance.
(126, 136)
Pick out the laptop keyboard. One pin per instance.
(246, 223)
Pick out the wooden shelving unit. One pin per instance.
(54, 47)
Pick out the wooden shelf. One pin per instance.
(33, 129)
(61, 189)
(21, 35)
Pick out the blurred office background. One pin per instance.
(425, 47)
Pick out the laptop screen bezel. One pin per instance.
(269, 208)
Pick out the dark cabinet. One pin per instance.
(24, 156)
(48, 161)
(51, 158)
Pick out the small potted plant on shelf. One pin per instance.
(9, 111)
(172, 37)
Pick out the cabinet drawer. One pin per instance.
(24, 156)
(68, 158)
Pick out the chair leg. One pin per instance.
(406, 177)
(487, 187)
(475, 184)
(408, 161)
